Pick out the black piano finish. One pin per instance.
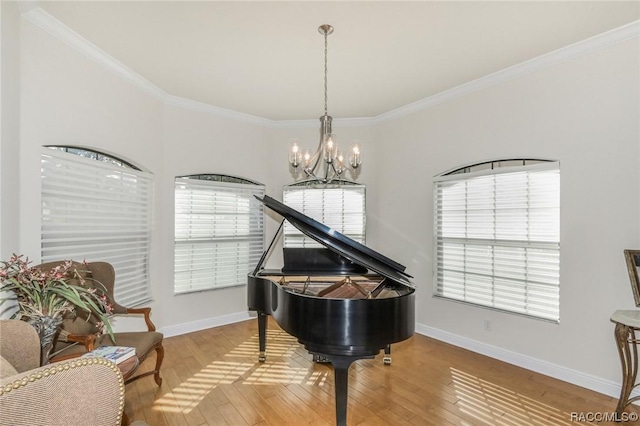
(337, 329)
(349, 327)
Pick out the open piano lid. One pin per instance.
(341, 244)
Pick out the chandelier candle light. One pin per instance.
(333, 160)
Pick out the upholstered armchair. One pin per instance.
(79, 391)
(79, 335)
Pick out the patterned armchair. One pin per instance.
(72, 392)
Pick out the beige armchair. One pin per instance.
(79, 336)
(73, 392)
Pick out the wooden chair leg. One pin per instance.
(159, 358)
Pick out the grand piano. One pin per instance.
(343, 302)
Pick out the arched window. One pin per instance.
(497, 236)
(340, 206)
(219, 231)
(97, 207)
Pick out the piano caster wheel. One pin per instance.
(262, 357)
(320, 358)
(386, 360)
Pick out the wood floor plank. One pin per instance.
(297, 405)
(249, 414)
(290, 416)
(258, 403)
(213, 377)
(231, 414)
(324, 407)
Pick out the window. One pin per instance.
(497, 236)
(219, 231)
(98, 211)
(339, 206)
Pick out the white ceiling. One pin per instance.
(266, 58)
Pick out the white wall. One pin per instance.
(9, 127)
(584, 113)
(68, 99)
(197, 142)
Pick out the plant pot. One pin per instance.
(47, 328)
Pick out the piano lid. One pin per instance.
(340, 243)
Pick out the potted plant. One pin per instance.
(45, 298)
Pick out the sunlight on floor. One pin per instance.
(188, 394)
(501, 406)
(281, 373)
(279, 344)
(248, 371)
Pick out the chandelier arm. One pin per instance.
(318, 154)
(315, 159)
(336, 173)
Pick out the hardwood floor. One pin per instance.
(213, 377)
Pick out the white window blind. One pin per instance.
(219, 233)
(340, 207)
(497, 239)
(98, 211)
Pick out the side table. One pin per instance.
(128, 367)
(627, 322)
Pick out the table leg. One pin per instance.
(627, 349)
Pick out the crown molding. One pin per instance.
(57, 29)
(27, 5)
(221, 112)
(600, 41)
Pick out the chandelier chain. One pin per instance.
(325, 72)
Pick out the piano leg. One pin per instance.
(341, 373)
(262, 336)
(387, 355)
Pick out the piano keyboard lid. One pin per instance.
(340, 243)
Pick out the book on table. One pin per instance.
(116, 354)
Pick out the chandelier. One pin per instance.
(327, 163)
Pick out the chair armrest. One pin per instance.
(146, 311)
(80, 391)
(88, 340)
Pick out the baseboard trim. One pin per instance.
(190, 327)
(575, 377)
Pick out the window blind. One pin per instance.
(497, 239)
(219, 233)
(340, 207)
(98, 211)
